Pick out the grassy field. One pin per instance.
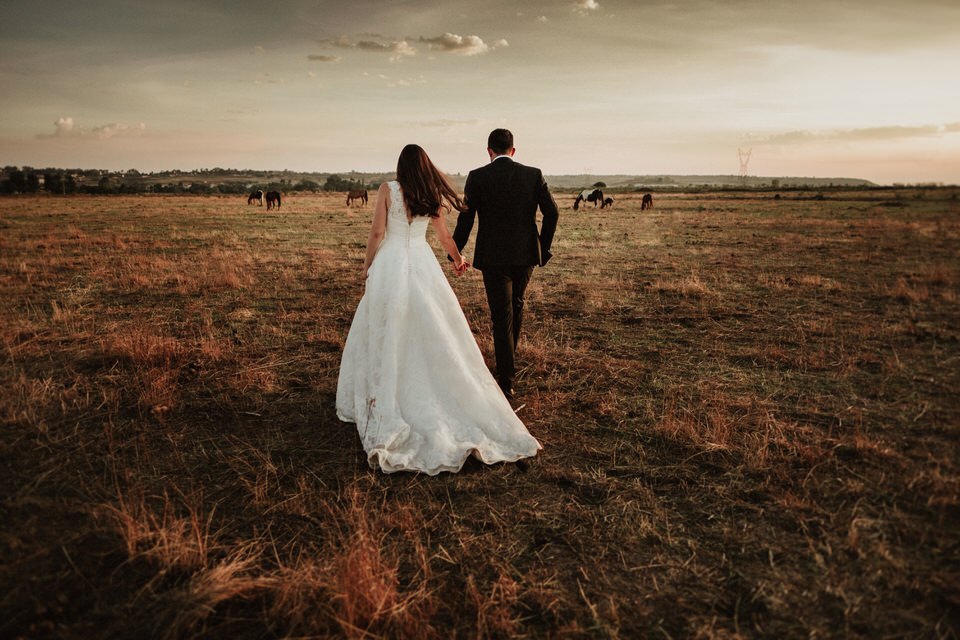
(749, 409)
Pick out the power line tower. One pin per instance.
(744, 161)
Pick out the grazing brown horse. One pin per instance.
(647, 202)
(357, 194)
(255, 195)
(273, 199)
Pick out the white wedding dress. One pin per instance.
(412, 377)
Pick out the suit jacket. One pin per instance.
(505, 194)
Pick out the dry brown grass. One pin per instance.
(747, 407)
(689, 286)
(909, 292)
(172, 541)
(366, 573)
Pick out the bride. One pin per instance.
(412, 377)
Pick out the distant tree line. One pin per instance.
(14, 180)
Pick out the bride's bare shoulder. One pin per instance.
(383, 193)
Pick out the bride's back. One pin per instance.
(400, 225)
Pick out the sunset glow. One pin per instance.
(862, 89)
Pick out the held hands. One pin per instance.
(460, 267)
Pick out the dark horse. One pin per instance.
(357, 194)
(255, 195)
(647, 202)
(607, 202)
(273, 199)
(595, 196)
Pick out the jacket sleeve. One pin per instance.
(551, 215)
(466, 218)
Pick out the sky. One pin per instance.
(825, 88)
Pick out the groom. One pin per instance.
(505, 195)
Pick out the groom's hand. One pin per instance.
(459, 269)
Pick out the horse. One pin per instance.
(647, 202)
(587, 195)
(273, 199)
(357, 194)
(255, 195)
(607, 202)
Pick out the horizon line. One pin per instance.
(733, 176)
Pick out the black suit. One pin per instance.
(505, 196)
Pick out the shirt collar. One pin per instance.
(503, 156)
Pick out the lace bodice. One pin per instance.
(398, 228)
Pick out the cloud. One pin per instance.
(398, 49)
(107, 131)
(865, 134)
(372, 45)
(461, 45)
(317, 57)
(542, 19)
(584, 7)
(401, 82)
(66, 128)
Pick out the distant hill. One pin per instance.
(699, 181)
(618, 181)
(219, 180)
(661, 182)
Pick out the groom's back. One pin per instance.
(507, 188)
(505, 196)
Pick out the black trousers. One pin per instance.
(505, 287)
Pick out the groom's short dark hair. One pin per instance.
(500, 140)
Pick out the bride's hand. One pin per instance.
(463, 266)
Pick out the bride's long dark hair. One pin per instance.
(425, 188)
